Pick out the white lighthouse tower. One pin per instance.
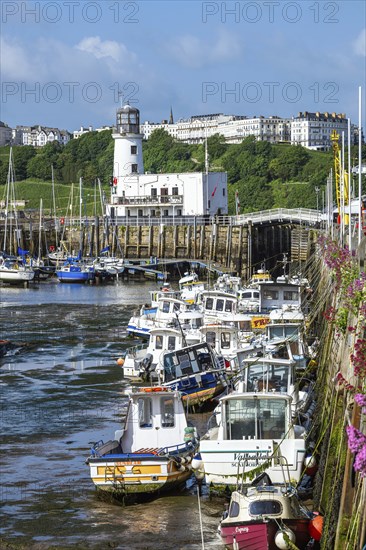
(128, 159)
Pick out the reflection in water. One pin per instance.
(62, 393)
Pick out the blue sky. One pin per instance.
(63, 61)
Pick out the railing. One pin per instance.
(302, 216)
(148, 200)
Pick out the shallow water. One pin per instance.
(60, 393)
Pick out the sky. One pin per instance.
(70, 63)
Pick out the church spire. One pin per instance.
(171, 120)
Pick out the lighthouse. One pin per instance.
(157, 197)
(128, 160)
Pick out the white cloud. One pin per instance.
(359, 45)
(193, 52)
(109, 48)
(15, 61)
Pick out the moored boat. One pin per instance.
(152, 452)
(266, 517)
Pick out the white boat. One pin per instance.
(254, 432)
(190, 287)
(14, 271)
(152, 451)
(141, 361)
(167, 314)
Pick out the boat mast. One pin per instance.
(54, 206)
(40, 230)
(10, 175)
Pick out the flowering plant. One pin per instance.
(352, 293)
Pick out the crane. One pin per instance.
(341, 186)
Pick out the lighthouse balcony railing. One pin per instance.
(148, 200)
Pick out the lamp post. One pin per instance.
(317, 191)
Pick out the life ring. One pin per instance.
(62, 221)
(52, 248)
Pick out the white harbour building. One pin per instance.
(140, 194)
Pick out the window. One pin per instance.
(179, 212)
(165, 212)
(265, 508)
(271, 294)
(134, 168)
(153, 213)
(225, 340)
(209, 303)
(167, 412)
(159, 342)
(223, 192)
(133, 149)
(145, 412)
(220, 305)
(228, 306)
(175, 191)
(211, 338)
(140, 213)
(292, 295)
(234, 509)
(171, 343)
(154, 192)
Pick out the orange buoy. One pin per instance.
(120, 361)
(316, 527)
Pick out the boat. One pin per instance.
(151, 453)
(197, 372)
(266, 517)
(250, 433)
(190, 287)
(75, 271)
(13, 269)
(141, 361)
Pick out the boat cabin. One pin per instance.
(276, 295)
(218, 306)
(155, 418)
(269, 375)
(248, 299)
(192, 360)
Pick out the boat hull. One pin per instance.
(14, 276)
(137, 477)
(75, 276)
(258, 535)
(223, 459)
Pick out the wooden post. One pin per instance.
(189, 245)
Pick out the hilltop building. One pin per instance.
(313, 130)
(140, 194)
(5, 134)
(38, 136)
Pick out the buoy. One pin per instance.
(280, 541)
(120, 361)
(316, 527)
(311, 465)
(199, 474)
(196, 461)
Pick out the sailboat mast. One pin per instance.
(40, 230)
(10, 175)
(54, 205)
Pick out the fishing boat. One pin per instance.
(197, 372)
(190, 287)
(249, 433)
(266, 517)
(152, 451)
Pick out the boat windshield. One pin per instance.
(268, 377)
(265, 508)
(256, 418)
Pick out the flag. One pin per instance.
(114, 181)
(237, 203)
(213, 192)
(104, 250)
(22, 252)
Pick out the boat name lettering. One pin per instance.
(128, 462)
(253, 458)
(241, 530)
